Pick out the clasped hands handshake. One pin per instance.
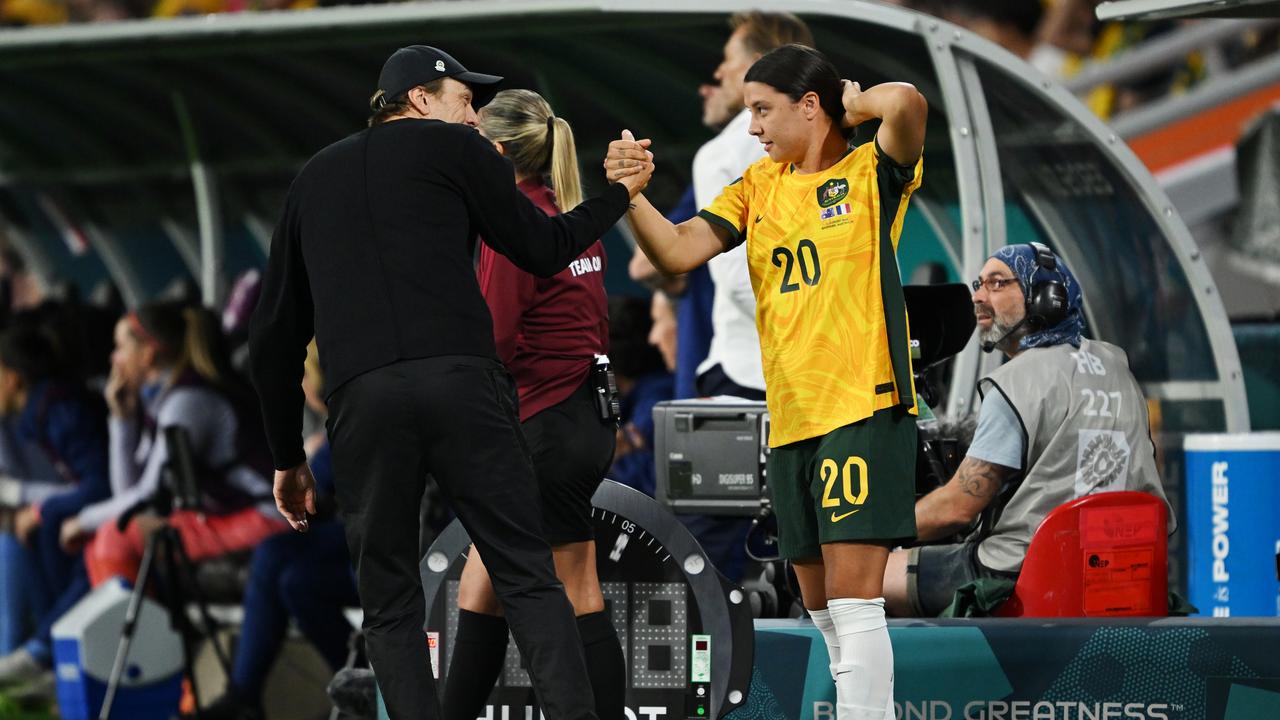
(629, 162)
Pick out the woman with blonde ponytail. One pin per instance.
(548, 333)
(170, 367)
(523, 128)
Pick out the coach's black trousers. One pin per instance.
(455, 418)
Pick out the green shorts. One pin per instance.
(856, 483)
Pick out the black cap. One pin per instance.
(416, 65)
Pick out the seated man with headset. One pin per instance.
(1062, 418)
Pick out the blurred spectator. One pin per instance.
(644, 379)
(663, 330)
(54, 459)
(170, 368)
(80, 334)
(693, 329)
(241, 301)
(176, 8)
(732, 366)
(33, 12)
(1114, 39)
(53, 12)
(19, 289)
(1012, 24)
(1069, 25)
(301, 576)
(1058, 37)
(693, 292)
(267, 5)
(98, 11)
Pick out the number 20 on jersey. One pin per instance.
(806, 257)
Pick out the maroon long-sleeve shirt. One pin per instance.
(547, 330)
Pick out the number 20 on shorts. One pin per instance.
(831, 472)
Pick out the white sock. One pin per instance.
(822, 620)
(864, 675)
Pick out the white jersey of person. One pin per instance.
(735, 343)
(1079, 422)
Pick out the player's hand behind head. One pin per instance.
(853, 115)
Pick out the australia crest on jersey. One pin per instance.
(832, 192)
(832, 208)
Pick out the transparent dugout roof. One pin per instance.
(242, 100)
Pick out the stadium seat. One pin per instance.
(1103, 555)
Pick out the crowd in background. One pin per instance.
(1058, 37)
(56, 12)
(84, 392)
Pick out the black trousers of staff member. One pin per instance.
(455, 418)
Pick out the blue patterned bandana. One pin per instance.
(1021, 259)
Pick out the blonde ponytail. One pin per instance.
(202, 344)
(564, 166)
(185, 337)
(536, 142)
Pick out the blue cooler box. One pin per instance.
(84, 648)
(1233, 523)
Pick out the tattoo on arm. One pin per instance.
(952, 507)
(981, 480)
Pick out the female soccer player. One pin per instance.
(821, 222)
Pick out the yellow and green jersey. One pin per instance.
(829, 304)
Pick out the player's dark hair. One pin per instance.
(26, 351)
(795, 70)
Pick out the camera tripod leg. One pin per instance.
(175, 601)
(210, 629)
(130, 626)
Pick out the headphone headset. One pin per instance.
(1047, 300)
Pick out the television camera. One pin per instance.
(710, 454)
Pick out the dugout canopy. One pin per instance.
(143, 151)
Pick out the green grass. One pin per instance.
(10, 710)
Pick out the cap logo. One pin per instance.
(439, 66)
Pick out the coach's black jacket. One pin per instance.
(373, 255)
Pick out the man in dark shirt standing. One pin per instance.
(373, 256)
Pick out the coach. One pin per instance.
(373, 255)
